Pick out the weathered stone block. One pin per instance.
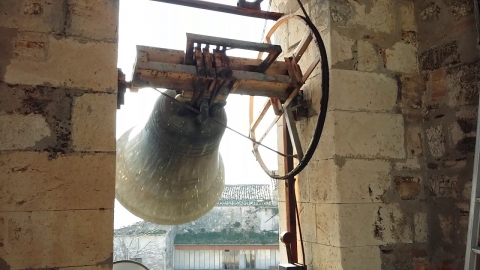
(22, 131)
(421, 227)
(375, 15)
(303, 186)
(31, 45)
(342, 49)
(93, 122)
(360, 91)
(69, 65)
(467, 191)
(309, 257)
(368, 135)
(410, 164)
(408, 188)
(31, 181)
(361, 258)
(407, 16)
(347, 225)
(47, 239)
(32, 15)
(93, 19)
(411, 95)
(462, 84)
(319, 13)
(349, 180)
(436, 141)
(296, 31)
(446, 226)
(442, 186)
(439, 56)
(368, 56)
(402, 57)
(414, 139)
(309, 229)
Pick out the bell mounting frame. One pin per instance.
(204, 76)
(284, 108)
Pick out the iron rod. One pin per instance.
(225, 8)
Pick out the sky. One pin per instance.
(144, 22)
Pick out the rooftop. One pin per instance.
(142, 228)
(246, 195)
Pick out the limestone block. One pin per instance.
(421, 227)
(368, 57)
(319, 13)
(446, 225)
(368, 135)
(347, 225)
(410, 164)
(408, 188)
(361, 135)
(402, 57)
(342, 49)
(436, 141)
(334, 258)
(296, 30)
(326, 145)
(32, 15)
(375, 15)
(467, 191)
(313, 53)
(328, 224)
(354, 181)
(302, 186)
(462, 84)
(414, 140)
(443, 186)
(19, 131)
(309, 257)
(87, 65)
(411, 95)
(54, 239)
(31, 46)
(32, 181)
(361, 91)
(309, 229)
(281, 191)
(93, 122)
(93, 19)
(407, 16)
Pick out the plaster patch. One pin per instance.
(22, 131)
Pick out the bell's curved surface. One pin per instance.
(170, 171)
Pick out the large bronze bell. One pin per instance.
(169, 171)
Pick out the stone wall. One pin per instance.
(389, 183)
(449, 68)
(58, 81)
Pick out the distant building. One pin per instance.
(241, 232)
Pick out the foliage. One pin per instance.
(228, 238)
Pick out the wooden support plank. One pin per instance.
(180, 77)
(302, 47)
(153, 54)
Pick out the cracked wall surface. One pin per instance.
(58, 81)
(389, 184)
